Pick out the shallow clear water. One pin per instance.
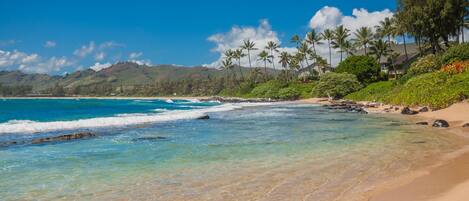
(246, 152)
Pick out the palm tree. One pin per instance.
(299, 57)
(296, 39)
(379, 48)
(329, 35)
(264, 57)
(340, 37)
(227, 65)
(304, 51)
(313, 38)
(385, 29)
(284, 60)
(349, 48)
(229, 54)
(238, 54)
(272, 47)
(392, 56)
(249, 46)
(364, 36)
(400, 30)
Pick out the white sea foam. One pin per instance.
(25, 126)
(169, 101)
(160, 110)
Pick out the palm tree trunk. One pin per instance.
(417, 39)
(405, 48)
(341, 55)
(365, 49)
(273, 58)
(249, 58)
(330, 53)
(462, 34)
(265, 70)
(240, 69)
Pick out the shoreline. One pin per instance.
(444, 180)
(447, 179)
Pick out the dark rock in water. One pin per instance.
(424, 109)
(63, 138)
(204, 117)
(422, 123)
(465, 125)
(408, 111)
(440, 124)
(158, 138)
(396, 109)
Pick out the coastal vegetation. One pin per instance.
(374, 64)
(428, 82)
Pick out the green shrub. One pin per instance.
(268, 89)
(426, 64)
(304, 89)
(402, 80)
(365, 68)
(437, 90)
(458, 52)
(336, 85)
(379, 91)
(288, 93)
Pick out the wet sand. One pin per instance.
(445, 180)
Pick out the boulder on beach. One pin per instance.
(408, 111)
(424, 109)
(465, 125)
(440, 123)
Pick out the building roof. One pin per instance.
(412, 51)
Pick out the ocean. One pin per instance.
(150, 149)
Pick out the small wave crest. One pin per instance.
(26, 126)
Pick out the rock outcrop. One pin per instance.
(408, 111)
(63, 138)
(440, 123)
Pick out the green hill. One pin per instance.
(120, 74)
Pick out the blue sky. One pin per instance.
(156, 32)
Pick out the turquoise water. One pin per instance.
(280, 151)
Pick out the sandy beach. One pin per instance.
(446, 180)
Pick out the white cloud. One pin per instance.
(50, 44)
(32, 63)
(330, 17)
(98, 66)
(326, 18)
(233, 39)
(99, 56)
(85, 50)
(135, 55)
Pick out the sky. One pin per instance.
(57, 37)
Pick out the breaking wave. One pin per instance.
(26, 126)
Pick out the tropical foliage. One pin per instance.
(336, 85)
(426, 64)
(364, 67)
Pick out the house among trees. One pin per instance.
(397, 59)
